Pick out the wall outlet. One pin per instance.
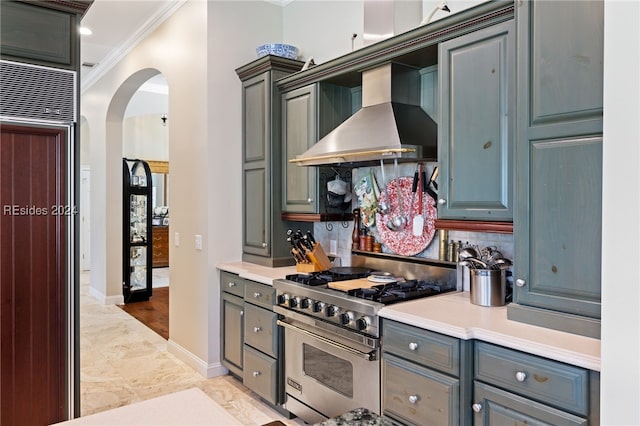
(198, 242)
(333, 246)
(176, 239)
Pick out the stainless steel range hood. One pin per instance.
(391, 124)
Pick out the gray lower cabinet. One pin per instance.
(308, 114)
(476, 131)
(263, 230)
(263, 343)
(251, 341)
(426, 376)
(232, 322)
(511, 387)
(557, 221)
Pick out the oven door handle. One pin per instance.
(369, 356)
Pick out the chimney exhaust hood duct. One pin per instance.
(391, 124)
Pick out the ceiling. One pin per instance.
(117, 27)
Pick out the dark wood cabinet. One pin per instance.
(35, 300)
(160, 243)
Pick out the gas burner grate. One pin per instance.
(400, 291)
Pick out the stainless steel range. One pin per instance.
(332, 329)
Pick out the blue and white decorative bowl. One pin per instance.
(277, 49)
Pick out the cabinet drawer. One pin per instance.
(232, 283)
(555, 383)
(494, 406)
(425, 347)
(418, 395)
(260, 374)
(259, 294)
(260, 329)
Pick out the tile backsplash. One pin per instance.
(341, 232)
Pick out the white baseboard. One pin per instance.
(110, 300)
(203, 368)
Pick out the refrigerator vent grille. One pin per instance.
(35, 92)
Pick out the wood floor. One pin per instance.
(153, 313)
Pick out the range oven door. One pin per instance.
(326, 374)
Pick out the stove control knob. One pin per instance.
(283, 299)
(294, 302)
(317, 306)
(346, 318)
(305, 303)
(363, 323)
(331, 310)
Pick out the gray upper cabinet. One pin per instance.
(264, 233)
(557, 224)
(299, 133)
(44, 33)
(477, 125)
(308, 114)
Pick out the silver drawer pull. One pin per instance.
(413, 346)
(242, 313)
(413, 398)
(264, 245)
(256, 373)
(477, 407)
(442, 201)
(520, 282)
(257, 294)
(231, 284)
(257, 329)
(521, 376)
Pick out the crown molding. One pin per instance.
(118, 54)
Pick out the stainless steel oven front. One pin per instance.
(328, 370)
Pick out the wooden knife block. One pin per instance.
(319, 261)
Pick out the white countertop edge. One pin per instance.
(254, 272)
(467, 333)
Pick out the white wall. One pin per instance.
(620, 377)
(145, 137)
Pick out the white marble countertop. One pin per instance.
(261, 274)
(453, 314)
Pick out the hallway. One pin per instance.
(122, 362)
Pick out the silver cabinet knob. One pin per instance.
(309, 200)
(264, 245)
(242, 313)
(521, 376)
(442, 201)
(257, 294)
(413, 398)
(520, 282)
(256, 373)
(413, 346)
(231, 284)
(477, 407)
(257, 329)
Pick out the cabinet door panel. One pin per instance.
(503, 408)
(255, 211)
(565, 202)
(256, 131)
(418, 395)
(232, 332)
(566, 58)
(299, 133)
(476, 131)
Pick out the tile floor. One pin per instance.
(123, 362)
